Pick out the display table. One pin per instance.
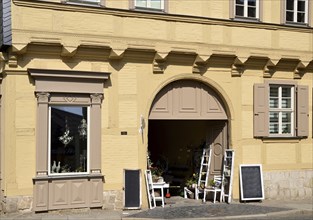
(160, 186)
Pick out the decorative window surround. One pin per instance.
(70, 88)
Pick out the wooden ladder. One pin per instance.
(204, 171)
(228, 170)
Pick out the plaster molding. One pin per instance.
(42, 97)
(159, 63)
(237, 67)
(299, 70)
(268, 69)
(12, 62)
(96, 98)
(68, 51)
(200, 64)
(156, 15)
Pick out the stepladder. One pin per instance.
(204, 171)
(228, 171)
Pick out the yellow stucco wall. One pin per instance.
(42, 36)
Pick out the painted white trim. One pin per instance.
(245, 10)
(148, 5)
(280, 110)
(295, 12)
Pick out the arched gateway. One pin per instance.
(184, 115)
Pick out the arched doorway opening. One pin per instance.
(186, 115)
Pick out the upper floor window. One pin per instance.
(297, 11)
(247, 8)
(150, 4)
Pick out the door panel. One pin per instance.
(217, 137)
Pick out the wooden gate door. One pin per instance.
(217, 136)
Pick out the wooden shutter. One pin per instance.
(260, 108)
(302, 113)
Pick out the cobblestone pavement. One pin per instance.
(206, 211)
(180, 208)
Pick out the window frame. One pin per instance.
(68, 87)
(295, 13)
(163, 7)
(245, 16)
(281, 110)
(88, 143)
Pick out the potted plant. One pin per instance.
(192, 181)
(157, 174)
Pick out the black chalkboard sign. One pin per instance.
(132, 189)
(251, 182)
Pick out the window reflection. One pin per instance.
(68, 139)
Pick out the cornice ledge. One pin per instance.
(159, 16)
(159, 63)
(200, 65)
(237, 67)
(299, 71)
(269, 68)
(39, 73)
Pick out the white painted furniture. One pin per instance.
(152, 187)
(215, 189)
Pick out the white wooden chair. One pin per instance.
(215, 189)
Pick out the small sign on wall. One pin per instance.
(251, 182)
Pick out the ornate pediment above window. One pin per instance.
(48, 80)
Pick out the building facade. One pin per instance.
(89, 87)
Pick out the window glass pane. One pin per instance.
(156, 4)
(286, 92)
(286, 128)
(141, 3)
(290, 4)
(274, 103)
(274, 117)
(301, 6)
(274, 91)
(286, 117)
(300, 18)
(289, 16)
(239, 2)
(273, 128)
(273, 97)
(251, 12)
(239, 10)
(68, 139)
(251, 2)
(286, 103)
